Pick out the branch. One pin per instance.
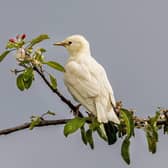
(138, 124)
(27, 125)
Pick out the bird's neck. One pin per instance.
(85, 52)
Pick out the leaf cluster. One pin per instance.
(29, 57)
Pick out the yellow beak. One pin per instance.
(62, 43)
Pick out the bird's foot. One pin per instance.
(76, 112)
(91, 116)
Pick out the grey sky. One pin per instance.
(129, 38)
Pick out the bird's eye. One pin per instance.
(70, 42)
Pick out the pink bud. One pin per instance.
(23, 36)
(12, 40)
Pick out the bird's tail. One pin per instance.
(108, 119)
(105, 116)
(112, 116)
(110, 130)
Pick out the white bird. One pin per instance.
(87, 81)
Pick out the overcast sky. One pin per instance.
(129, 38)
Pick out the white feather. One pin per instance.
(87, 81)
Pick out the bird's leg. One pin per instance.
(91, 116)
(118, 107)
(76, 112)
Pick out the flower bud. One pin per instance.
(23, 36)
(12, 40)
(20, 54)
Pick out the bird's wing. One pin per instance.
(108, 87)
(79, 77)
(105, 101)
(82, 85)
(99, 72)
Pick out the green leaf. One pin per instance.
(42, 50)
(101, 132)
(152, 137)
(35, 121)
(11, 45)
(153, 120)
(20, 82)
(25, 79)
(19, 44)
(4, 54)
(152, 140)
(55, 65)
(89, 138)
(151, 130)
(28, 77)
(125, 150)
(121, 130)
(99, 128)
(129, 122)
(38, 39)
(38, 55)
(94, 125)
(83, 135)
(53, 81)
(73, 125)
(28, 83)
(28, 74)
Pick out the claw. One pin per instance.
(76, 112)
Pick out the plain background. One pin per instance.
(129, 38)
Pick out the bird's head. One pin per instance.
(75, 44)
